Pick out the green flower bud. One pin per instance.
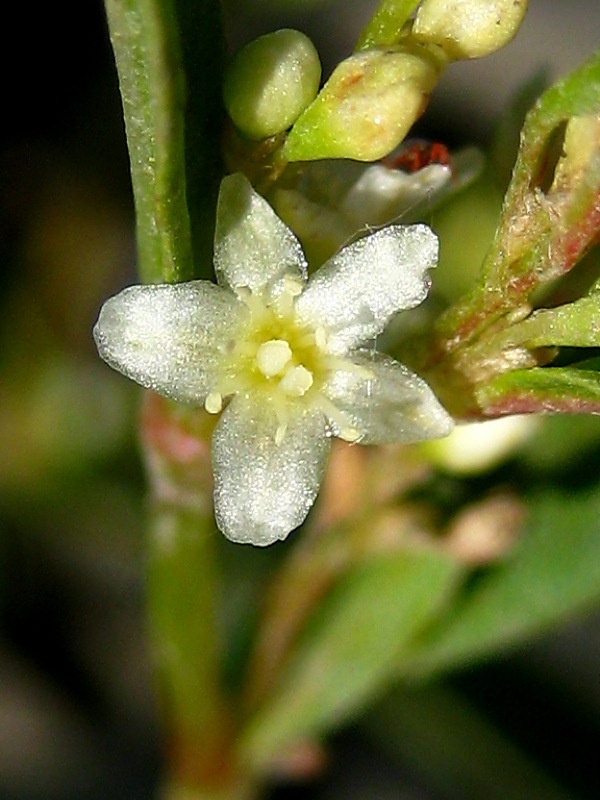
(270, 82)
(468, 28)
(367, 106)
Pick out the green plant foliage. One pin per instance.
(387, 22)
(552, 574)
(456, 749)
(352, 646)
(164, 51)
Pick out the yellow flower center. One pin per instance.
(280, 362)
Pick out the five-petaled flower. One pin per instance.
(284, 356)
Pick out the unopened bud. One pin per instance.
(468, 28)
(270, 82)
(367, 106)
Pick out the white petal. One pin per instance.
(253, 247)
(382, 194)
(263, 490)
(392, 405)
(357, 291)
(169, 338)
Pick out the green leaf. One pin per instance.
(352, 647)
(532, 227)
(542, 232)
(386, 23)
(574, 324)
(552, 574)
(541, 389)
(559, 443)
(168, 60)
(440, 736)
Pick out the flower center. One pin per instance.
(272, 355)
(274, 359)
(282, 363)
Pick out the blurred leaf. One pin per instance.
(560, 443)
(541, 389)
(169, 104)
(58, 416)
(456, 750)
(352, 647)
(552, 574)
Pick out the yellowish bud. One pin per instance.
(468, 28)
(368, 105)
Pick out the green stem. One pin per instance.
(181, 583)
(183, 575)
(147, 51)
(386, 24)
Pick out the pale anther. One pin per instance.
(349, 434)
(280, 433)
(293, 286)
(213, 403)
(272, 357)
(296, 381)
(320, 338)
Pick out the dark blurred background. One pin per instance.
(76, 713)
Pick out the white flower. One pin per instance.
(281, 354)
(329, 202)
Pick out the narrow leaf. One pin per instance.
(542, 233)
(456, 750)
(541, 389)
(575, 324)
(145, 41)
(553, 574)
(352, 647)
(168, 55)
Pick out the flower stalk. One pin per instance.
(183, 581)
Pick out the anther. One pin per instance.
(213, 403)
(296, 381)
(272, 357)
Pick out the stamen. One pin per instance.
(289, 288)
(321, 338)
(282, 422)
(213, 403)
(345, 365)
(293, 286)
(342, 427)
(349, 434)
(280, 433)
(272, 357)
(296, 381)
